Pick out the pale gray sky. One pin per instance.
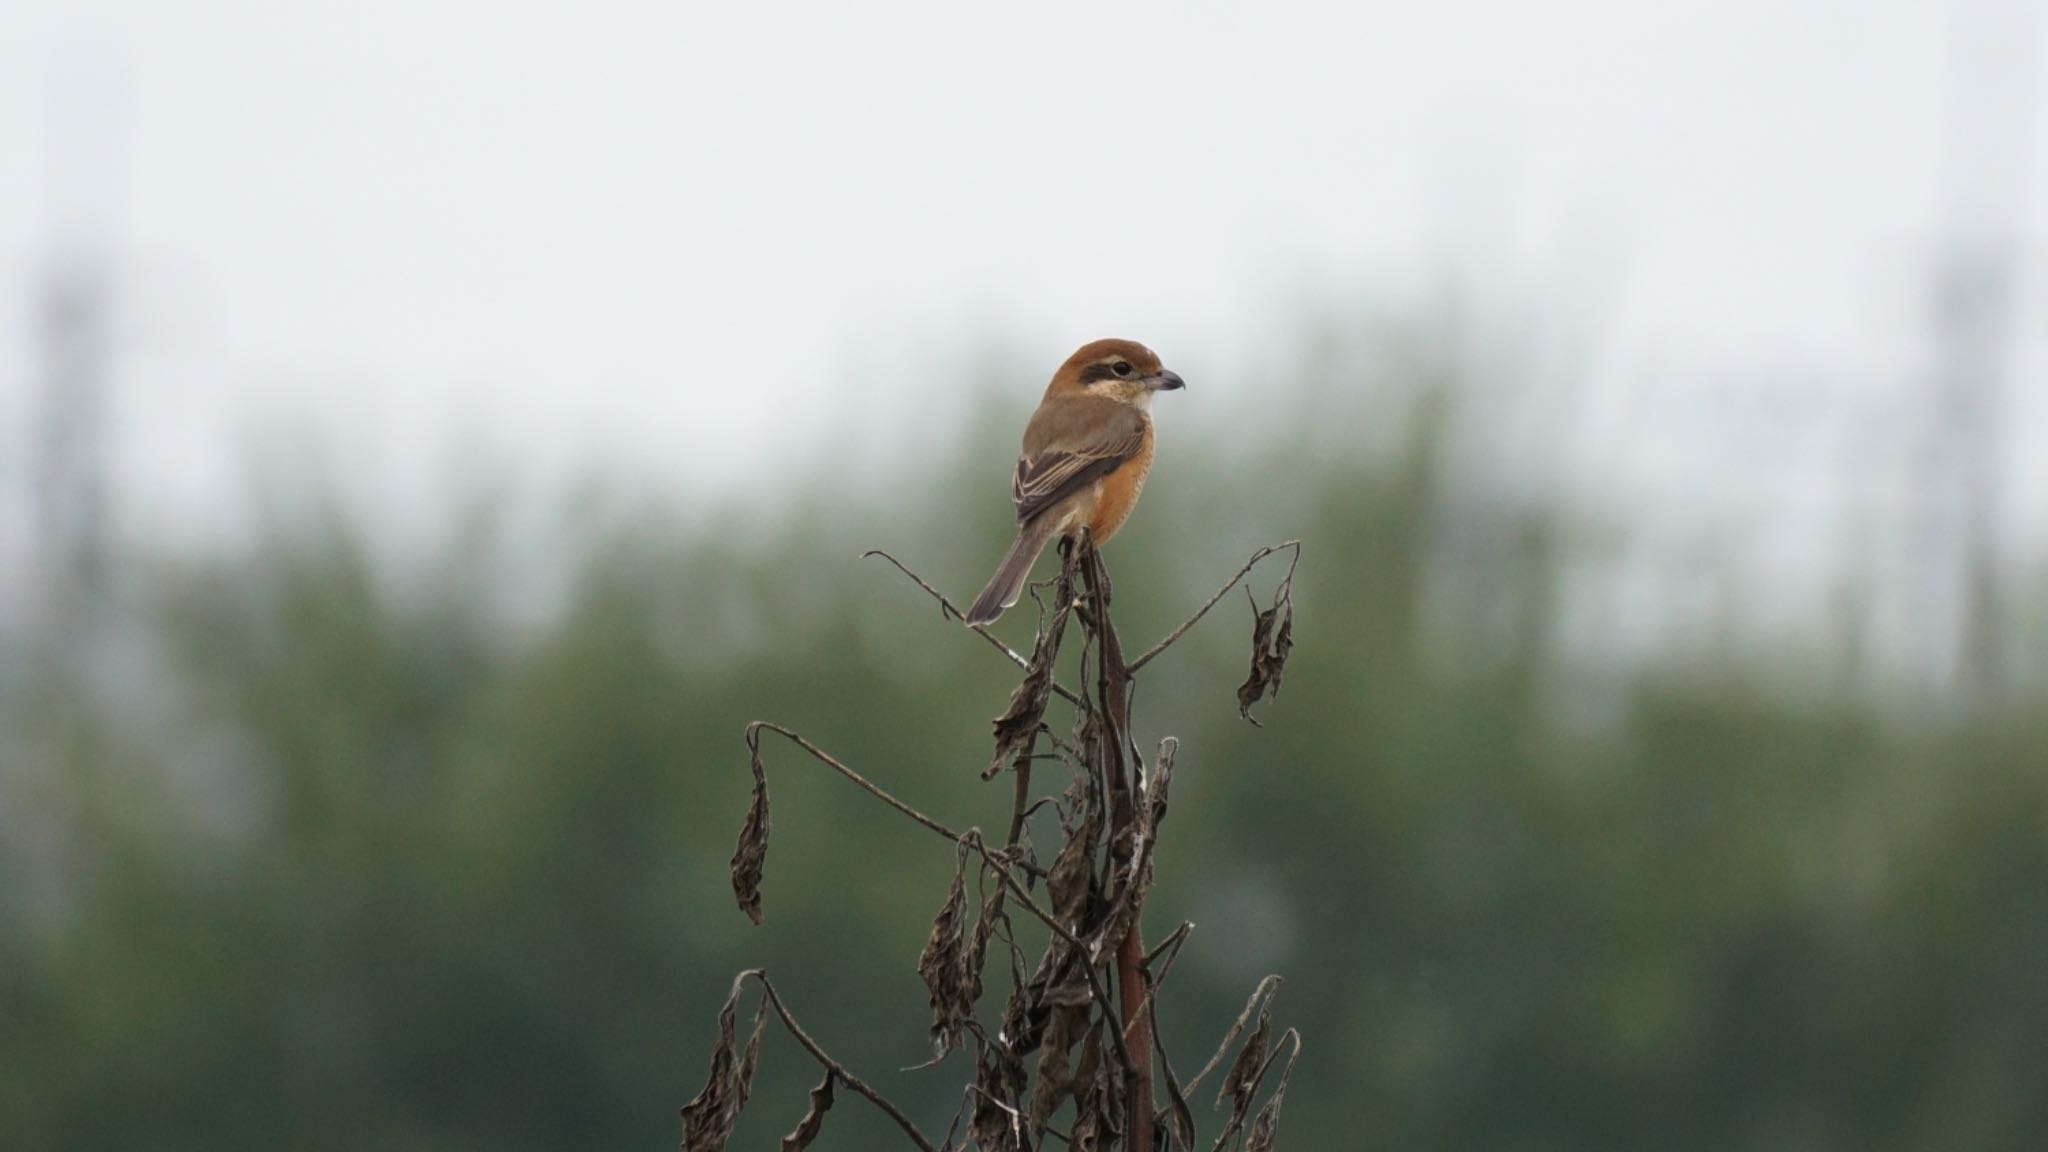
(640, 236)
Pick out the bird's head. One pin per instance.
(1121, 370)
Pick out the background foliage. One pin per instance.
(345, 855)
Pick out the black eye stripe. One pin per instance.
(1112, 370)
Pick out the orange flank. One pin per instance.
(1117, 493)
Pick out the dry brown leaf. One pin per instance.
(751, 856)
(1267, 1126)
(939, 965)
(1272, 640)
(709, 1116)
(1016, 730)
(814, 1117)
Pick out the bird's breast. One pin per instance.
(1117, 493)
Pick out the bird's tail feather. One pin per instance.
(1008, 582)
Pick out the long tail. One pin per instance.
(1008, 583)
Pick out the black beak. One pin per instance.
(1168, 381)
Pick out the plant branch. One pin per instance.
(753, 742)
(946, 609)
(760, 976)
(1293, 546)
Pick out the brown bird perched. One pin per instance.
(1086, 452)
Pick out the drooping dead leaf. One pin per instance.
(1239, 1082)
(1267, 1127)
(1258, 1000)
(743, 1079)
(1071, 882)
(814, 1117)
(939, 965)
(709, 1117)
(751, 856)
(1098, 1095)
(1055, 1080)
(971, 963)
(1016, 730)
(1272, 640)
(994, 1124)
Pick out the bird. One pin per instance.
(1086, 452)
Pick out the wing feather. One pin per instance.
(1069, 447)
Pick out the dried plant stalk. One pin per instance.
(1079, 1030)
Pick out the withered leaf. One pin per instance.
(1071, 882)
(1023, 1019)
(1239, 1083)
(1272, 640)
(751, 856)
(814, 1117)
(977, 945)
(709, 1117)
(1130, 872)
(939, 965)
(743, 1080)
(1098, 1095)
(999, 1082)
(1267, 1126)
(1056, 1079)
(1016, 730)
(1072, 990)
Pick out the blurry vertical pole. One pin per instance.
(73, 330)
(74, 333)
(1992, 92)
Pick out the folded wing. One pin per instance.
(1070, 446)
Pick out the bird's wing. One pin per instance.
(1069, 445)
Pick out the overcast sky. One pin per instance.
(650, 236)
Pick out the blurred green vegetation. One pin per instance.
(370, 862)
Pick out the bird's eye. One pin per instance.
(1121, 368)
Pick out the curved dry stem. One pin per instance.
(910, 1129)
(946, 609)
(1287, 581)
(753, 743)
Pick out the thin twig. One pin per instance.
(1266, 988)
(946, 609)
(760, 976)
(1173, 942)
(1154, 983)
(865, 784)
(1291, 545)
(827, 759)
(1020, 800)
